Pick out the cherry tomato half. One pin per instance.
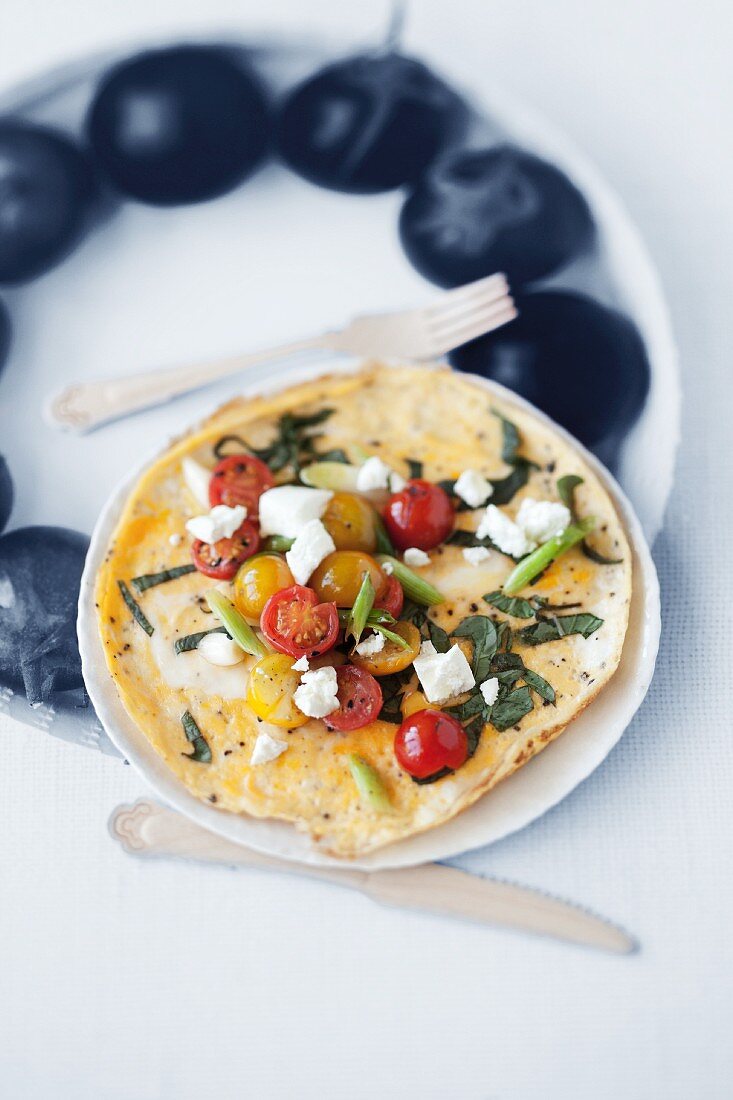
(339, 577)
(429, 741)
(392, 657)
(419, 515)
(360, 699)
(294, 622)
(240, 479)
(393, 598)
(257, 580)
(222, 559)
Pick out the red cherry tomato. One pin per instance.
(429, 741)
(360, 699)
(294, 622)
(419, 515)
(393, 598)
(240, 479)
(222, 559)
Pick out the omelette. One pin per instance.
(359, 603)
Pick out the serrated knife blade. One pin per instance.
(148, 829)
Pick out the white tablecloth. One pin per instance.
(124, 980)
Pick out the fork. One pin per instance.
(458, 316)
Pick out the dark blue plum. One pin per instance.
(583, 364)
(178, 125)
(6, 332)
(6, 494)
(368, 123)
(46, 192)
(477, 211)
(40, 571)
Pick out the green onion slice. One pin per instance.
(369, 784)
(390, 635)
(363, 604)
(415, 587)
(277, 542)
(239, 630)
(528, 568)
(339, 476)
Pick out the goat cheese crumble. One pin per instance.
(221, 523)
(286, 509)
(311, 546)
(473, 488)
(415, 557)
(267, 748)
(316, 695)
(442, 675)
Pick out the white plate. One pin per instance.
(525, 796)
(276, 258)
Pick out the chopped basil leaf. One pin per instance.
(511, 709)
(135, 609)
(149, 580)
(510, 439)
(566, 487)
(469, 538)
(337, 454)
(293, 445)
(415, 467)
(482, 632)
(201, 751)
(384, 543)
(191, 641)
(560, 626)
(220, 445)
(510, 605)
(473, 733)
(545, 690)
(506, 487)
(392, 689)
(438, 636)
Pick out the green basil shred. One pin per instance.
(201, 751)
(135, 609)
(149, 580)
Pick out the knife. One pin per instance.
(148, 829)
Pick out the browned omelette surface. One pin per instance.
(445, 420)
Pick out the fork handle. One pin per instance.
(83, 406)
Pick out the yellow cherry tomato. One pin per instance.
(339, 577)
(272, 684)
(393, 658)
(351, 522)
(413, 701)
(257, 580)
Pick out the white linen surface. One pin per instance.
(123, 979)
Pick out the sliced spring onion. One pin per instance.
(415, 588)
(363, 604)
(376, 617)
(384, 543)
(549, 551)
(369, 784)
(278, 542)
(135, 609)
(149, 580)
(191, 641)
(201, 751)
(238, 629)
(390, 635)
(339, 476)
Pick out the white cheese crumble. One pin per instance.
(197, 478)
(504, 533)
(474, 555)
(490, 690)
(174, 540)
(267, 748)
(442, 675)
(370, 646)
(415, 557)
(373, 474)
(221, 523)
(542, 519)
(219, 650)
(311, 546)
(473, 488)
(316, 695)
(396, 482)
(286, 509)
(388, 568)
(301, 665)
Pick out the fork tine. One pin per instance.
(478, 327)
(489, 288)
(445, 326)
